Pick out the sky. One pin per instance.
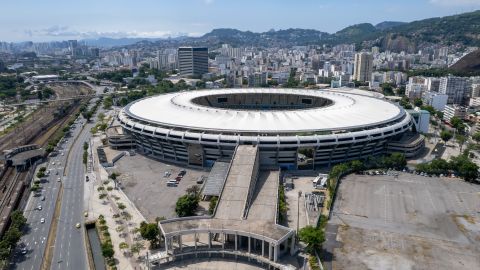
(47, 20)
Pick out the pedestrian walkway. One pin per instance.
(122, 223)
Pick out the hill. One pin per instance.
(462, 29)
(468, 63)
(388, 24)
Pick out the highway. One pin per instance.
(34, 240)
(69, 249)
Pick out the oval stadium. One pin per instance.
(293, 128)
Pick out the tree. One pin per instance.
(461, 140)
(457, 123)
(395, 160)
(12, 236)
(446, 135)
(439, 114)
(108, 102)
(4, 250)
(429, 108)
(123, 245)
(40, 174)
(18, 220)
(465, 167)
(121, 206)
(212, 205)
(107, 250)
(186, 205)
(468, 170)
(418, 102)
(101, 116)
(136, 247)
(357, 165)
(150, 232)
(476, 137)
(313, 237)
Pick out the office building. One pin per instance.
(420, 119)
(193, 61)
(363, 67)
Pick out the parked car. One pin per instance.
(172, 183)
(201, 180)
(42, 220)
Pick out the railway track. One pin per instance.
(12, 182)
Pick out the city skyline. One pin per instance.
(53, 20)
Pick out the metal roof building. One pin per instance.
(199, 127)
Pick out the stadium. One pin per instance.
(293, 128)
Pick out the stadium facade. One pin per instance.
(293, 128)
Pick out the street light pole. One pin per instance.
(298, 209)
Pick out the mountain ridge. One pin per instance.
(389, 35)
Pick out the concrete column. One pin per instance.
(292, 245)
(236, 240)
(270, 251)
(209, 240)
(224, 240)
(195, 240)
(180, 242)
(166, 244)
(275, 252)
(263, 247)
(249, 249)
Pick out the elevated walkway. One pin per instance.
(265, 198)
(216, 178)
(244, 219)
(239, 184)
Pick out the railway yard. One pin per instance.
(38, 128)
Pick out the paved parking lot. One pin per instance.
(144, 183)
(409, 222)
(297, 214)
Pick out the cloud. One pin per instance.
(66, 32)
(453, 3)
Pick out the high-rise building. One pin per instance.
(434, 99)
(72, 46)
(454, 110)
(458, 89)
(363, 67)
(193, 61)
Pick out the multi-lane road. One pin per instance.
(69, 249)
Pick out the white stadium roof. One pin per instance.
(350, 109)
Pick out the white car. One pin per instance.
(39, 208)
(42, 220)
(59, 179)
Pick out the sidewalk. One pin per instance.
(121, 226)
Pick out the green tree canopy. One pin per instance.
(150, 231)
(186, 205)
(446, 135)
(313, 237)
